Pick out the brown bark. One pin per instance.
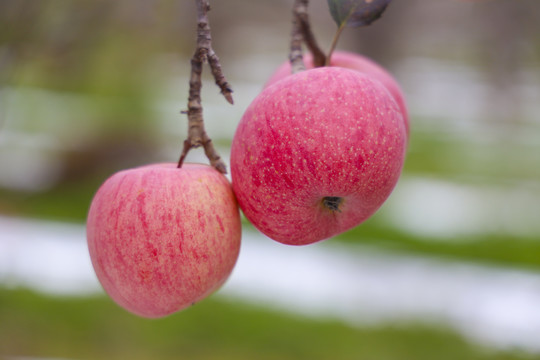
(197, 135)
(302, 32)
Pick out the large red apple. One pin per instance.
(316, 154)
(357, 62)
(162, 238)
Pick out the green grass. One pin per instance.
(95, 328)
(69, 202)
(500, 160)
(492, 249)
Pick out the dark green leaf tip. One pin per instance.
(356, 13)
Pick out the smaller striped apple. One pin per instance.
(162, 238)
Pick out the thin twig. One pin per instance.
(197, 135)
(215, 66)
(334, 43)
(301, 14)
(295, 55)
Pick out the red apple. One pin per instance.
(162, 238)
(316, 154)
(354, 62)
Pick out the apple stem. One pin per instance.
(334, 43)
(197, 135)
(302, 32)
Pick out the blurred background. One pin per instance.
(449, 268)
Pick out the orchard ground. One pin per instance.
(358, 289)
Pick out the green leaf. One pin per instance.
(356, 13)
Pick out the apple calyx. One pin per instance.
(332, 203)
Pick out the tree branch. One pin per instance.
(302, 32)
(197, 135)
(295, 55)
(319, 58)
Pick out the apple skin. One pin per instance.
(321, 133)
(162, 238)
(356, 62)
